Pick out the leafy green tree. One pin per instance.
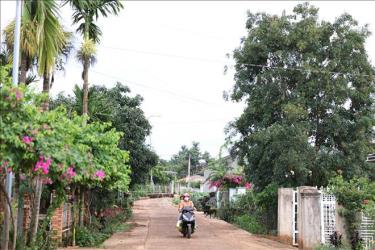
(180, 160)
(308, 87)
(85, 13)
(59, 150)
(124, 112)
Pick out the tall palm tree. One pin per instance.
(51, 41)
(42, 41)
(28, 42)
(85, 13)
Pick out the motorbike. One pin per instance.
(187, 222)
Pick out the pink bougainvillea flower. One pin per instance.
(47, 181)
(18, 95)
(216, 183)
(27, 139)
(248, 185)
(43, 165)
(70, 172)
(100, 174)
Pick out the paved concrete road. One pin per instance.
(155, 228)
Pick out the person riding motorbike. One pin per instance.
(185, 202)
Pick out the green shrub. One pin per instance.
(196, 184)
(176, 200)
(262, 206)
(95, 234)
(330, 247)
(227, 213)
(250, 224)
(196, 198)
(85, 237)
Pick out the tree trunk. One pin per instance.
(5, 233)
(38, 184)
(46, 89)
(85, 87)
(81, 206)
(74, 223)
(8, 217)
(15, 198)
(20, 213)
(23, 71)
(35, 211)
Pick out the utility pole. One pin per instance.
(189, 173)
(152, 182)
(16, 54)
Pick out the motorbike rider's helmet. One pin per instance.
(186, 196)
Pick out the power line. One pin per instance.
(157, 89)
(165, 55)
(232, 66)
(193, 122)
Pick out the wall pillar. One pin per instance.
(57, 222)
(285, 214)
(310, 218)
(26, 212)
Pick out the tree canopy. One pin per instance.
(123, 111)
(308, 87)
(179, 161)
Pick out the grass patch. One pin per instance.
(99, 231)
(250, 224)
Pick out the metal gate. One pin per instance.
(295, 218)
(367, 232)
(328, 215)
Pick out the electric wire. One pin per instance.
(156, 89)
(306, 70)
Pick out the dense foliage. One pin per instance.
(254, 211)
(115, 105)
(60, 151)
(198, 160)
(356, 196)
(308, 87)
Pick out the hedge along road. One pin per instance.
(155, 228)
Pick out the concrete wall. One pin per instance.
(284, 221)
(310, 218)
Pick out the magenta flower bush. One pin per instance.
(230, 181)
(27, 139)
(42, 166)
(54, 148)
(100, 174)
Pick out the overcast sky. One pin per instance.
(173, 54)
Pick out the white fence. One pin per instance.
(295, 218)
(328, 216)
(367, 232)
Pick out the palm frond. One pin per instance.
(86, 11)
